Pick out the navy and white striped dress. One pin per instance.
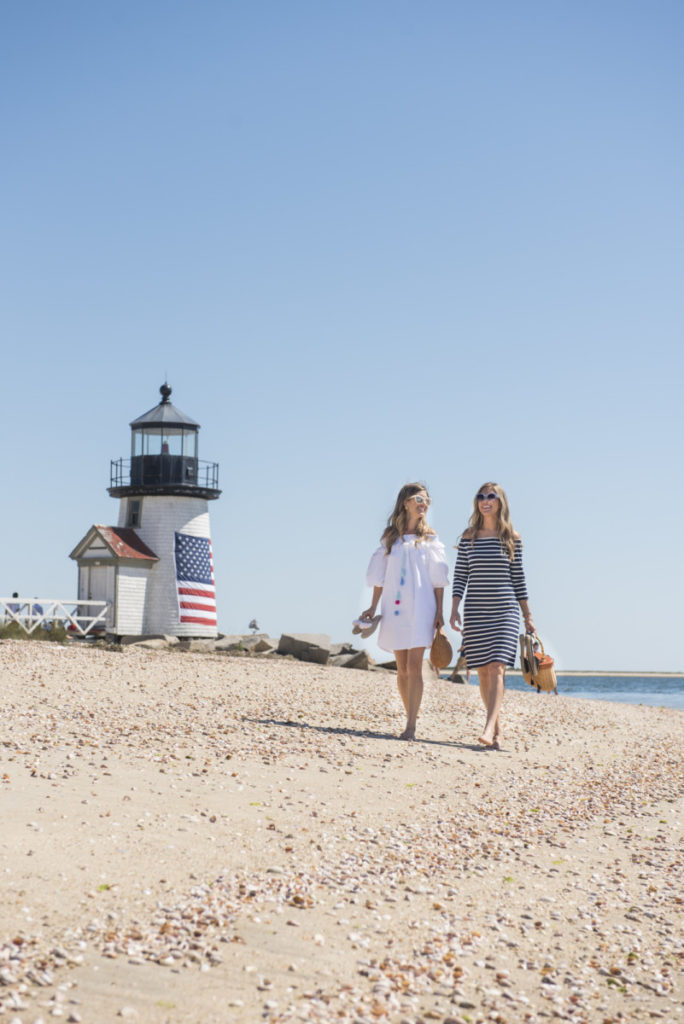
(491, 619)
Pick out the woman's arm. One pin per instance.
(439, 614)
(455, 619)
(370, 612)
(520, 587)
(527, 616)
(460, 582)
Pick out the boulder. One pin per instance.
(358, 660)
(145, 638)
(155, 643)
(260, 643)
(313, 647)
(229, 643)
(337, 649)
(263, 644)
(198, 646)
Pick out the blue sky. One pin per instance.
(367, 243)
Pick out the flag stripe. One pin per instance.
(195, 580)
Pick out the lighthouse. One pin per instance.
(156, 567)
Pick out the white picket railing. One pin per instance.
(32, 613)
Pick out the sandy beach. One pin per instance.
(208, 838)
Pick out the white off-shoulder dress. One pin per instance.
(408, 576)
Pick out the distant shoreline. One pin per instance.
(612, 672)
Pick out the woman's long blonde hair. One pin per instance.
(396, 524)
(504, 526)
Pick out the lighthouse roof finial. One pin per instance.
(164, 414)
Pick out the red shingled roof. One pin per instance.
(124, 542)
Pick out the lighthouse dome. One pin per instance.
(164, 456)
(164, 413)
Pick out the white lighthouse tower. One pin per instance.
(156, 566)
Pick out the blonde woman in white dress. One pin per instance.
(409, 572)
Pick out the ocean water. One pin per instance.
(658, 691)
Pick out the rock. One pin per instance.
(147, 638)
(229, 643)
(359, 660)
(260, 643)
(152, 641)
(198, 646)
(337, 649)
(390, 665)
(313, 647)
(264, 644)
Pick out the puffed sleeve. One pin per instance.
(518, 573)
(461, 570)
(439, 570)
(377, 567)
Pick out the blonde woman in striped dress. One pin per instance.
(489, 571)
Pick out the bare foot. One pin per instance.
(498, 739)
(485, 740)
(408, 734)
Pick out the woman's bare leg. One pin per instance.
(415, 672)
(495, 680)
(401, 658)
(410, 683)
(483, 680)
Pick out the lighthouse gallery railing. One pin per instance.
(207, 473)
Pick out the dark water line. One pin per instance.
(656, 691)
(652, 690)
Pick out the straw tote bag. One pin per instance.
(528, 664)
(537, 667)
(440, 652)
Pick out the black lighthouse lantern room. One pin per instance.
(164, 456)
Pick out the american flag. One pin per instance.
(195, 580)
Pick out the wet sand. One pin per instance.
(203, 838)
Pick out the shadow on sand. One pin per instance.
(367, 734)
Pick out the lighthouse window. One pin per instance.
(171, 442)
(134, 512)
(190, 444)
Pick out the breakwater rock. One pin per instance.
(312, 647)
